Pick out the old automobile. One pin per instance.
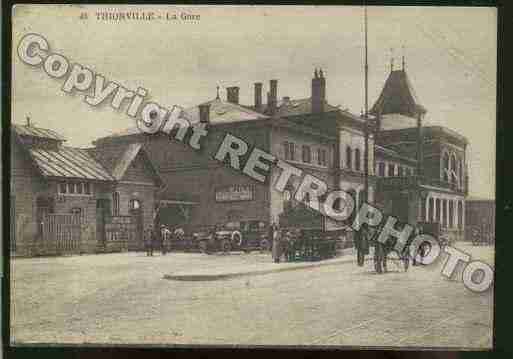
(234, 236)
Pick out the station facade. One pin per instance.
(416, 172)
(131, 180)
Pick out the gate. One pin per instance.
(121, 233)
(61, 233)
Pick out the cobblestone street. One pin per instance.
(123, 298)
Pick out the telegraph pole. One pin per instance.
(366, 117)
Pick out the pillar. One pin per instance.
(426, 219)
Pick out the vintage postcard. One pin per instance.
(253, 176)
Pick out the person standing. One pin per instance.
(275, 237)
(148, 240)
(165, 233)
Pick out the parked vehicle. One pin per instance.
(234, 236)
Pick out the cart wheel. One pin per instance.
(226, 246)
(264, 245)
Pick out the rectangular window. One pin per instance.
(289, 151)
(63, 187)
(292, 151)
(79, 187)
(71, 188)
(391, 170)
(307, 156)
(87, 188)
(322, 158)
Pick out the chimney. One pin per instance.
(258, 95)
(318, 92)
(273, 96)
(204, 113)
(232, 95)
(28, 121)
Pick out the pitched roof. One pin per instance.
(68, 162)
(117, 159)
(24, 130)
(224, 112)
(293, 107)
(398, 96)
(127, 157)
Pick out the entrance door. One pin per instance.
(102, 211)
(44, 206)
(400, 204)
(136, 212)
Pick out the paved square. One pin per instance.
(123, 298)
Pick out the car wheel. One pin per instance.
(203, 247)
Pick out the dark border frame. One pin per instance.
(503, 318)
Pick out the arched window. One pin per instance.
(381, 169)
(444, 213)
(349, 157)
(460, 215)
(115, 204)
(451, 213)
(357, 159)
(460, 172)
(453, 163)
(391, 170)
(445, 169)
(446, 161)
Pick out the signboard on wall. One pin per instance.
(234, 193)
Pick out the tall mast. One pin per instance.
(366, 115)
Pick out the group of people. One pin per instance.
(282, 244)
(152, 240)
(365, 237)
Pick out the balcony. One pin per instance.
(411, 182)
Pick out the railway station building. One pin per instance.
(416, 172)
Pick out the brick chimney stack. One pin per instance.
(318, 92)
(232, 94)
(272, 102)
(258, 95)
(204, 113)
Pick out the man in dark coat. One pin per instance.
(150, 240)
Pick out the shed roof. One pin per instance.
(69, 162)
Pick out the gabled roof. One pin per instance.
(128, 156)
(68, 162)
(24, 130)
(117, 159)
(398, 96)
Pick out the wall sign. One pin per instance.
(234, 193)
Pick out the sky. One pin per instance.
(450, 56)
